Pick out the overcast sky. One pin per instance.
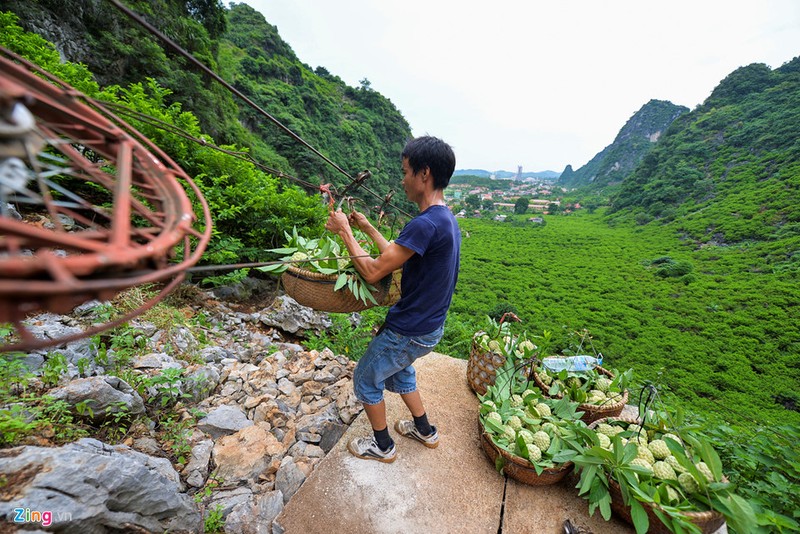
(540, 84)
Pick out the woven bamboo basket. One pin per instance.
(707, 521)
(393, 295)
(521, 469)
(315, 290)
(482, 368)
(591, 412)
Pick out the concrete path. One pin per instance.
(451, 489)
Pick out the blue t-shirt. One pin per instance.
(430, 275)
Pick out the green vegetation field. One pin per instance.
(720, 340)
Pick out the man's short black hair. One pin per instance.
(433, 153)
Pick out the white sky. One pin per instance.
(535, 83)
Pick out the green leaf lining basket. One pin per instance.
(707, 521)
(521, 469)
(591, 412)
(316, 290)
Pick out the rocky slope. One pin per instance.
(250, 416)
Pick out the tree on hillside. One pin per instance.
(521, 205)
(473, 202)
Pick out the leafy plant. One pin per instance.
(6, 330)
(175, 434)
(15, 422)
(55, 417)
(765, 451)
(53, 368)
(118, 418)
(214, 521)
(231, 278)
(165, 387)
(213, 482)
(347, 335)
(14, 375)
(83, 365)
(84, 408)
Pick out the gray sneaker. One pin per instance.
(367, 449)
(409, 430)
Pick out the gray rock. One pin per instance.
(196, 470)
(326, 377)
(103, 488)
(291, 347)
(154, 360)
(256, 515)
(286, 386)
(289, 478)
(331, 433)
(51, 326)
(104, 395)
(309, 437)
(224, 420)
(314, 451)
(33, 361)
(184, 340)
(10, 211)
(215, 354)
(87, 307)
(201, 382)
(285, 313)
(147, 445)
(229, 499)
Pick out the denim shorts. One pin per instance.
(386, 365)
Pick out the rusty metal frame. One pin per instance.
(130, 238)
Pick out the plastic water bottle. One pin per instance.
(572, 363)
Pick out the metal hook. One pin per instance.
(357, 181)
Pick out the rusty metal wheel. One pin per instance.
(88, 206)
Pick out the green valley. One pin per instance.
(718, 338)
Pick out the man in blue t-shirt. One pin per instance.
(428, 249)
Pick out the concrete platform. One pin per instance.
(451, 489)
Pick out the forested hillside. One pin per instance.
(633, 141)
(356, 127)
(729, 171)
